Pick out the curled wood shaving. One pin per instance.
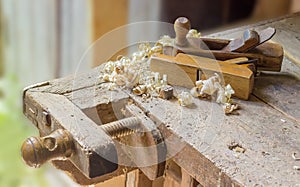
(296, 168)
(229, 108)
(133, 72)
(213, 85)
(185, 99)
(166, 41)
(236, 147)
(139, 90)
(283, 120)
(106, 98)
(193, 33)
(295, 158)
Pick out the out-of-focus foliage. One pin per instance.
(14, 129)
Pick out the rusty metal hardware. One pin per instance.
(121, 128)
(36, 151)
(94, 154)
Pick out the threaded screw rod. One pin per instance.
(121, 128)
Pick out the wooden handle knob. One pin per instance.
(182, 26)
(36, 151)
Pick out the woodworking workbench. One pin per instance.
(201, 145)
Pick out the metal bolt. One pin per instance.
(121, 128)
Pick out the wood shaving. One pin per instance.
(195, 92)
(283, 120)
(166, 41)
(295, 158)
(236, 147)
(193, 33)
(106, 98)
(239, 150)
(296, 168)
(211, 86)
(139, 90)
(265, 153)
(185, 99)
(224, 94)
(229, 108)
(133, 72)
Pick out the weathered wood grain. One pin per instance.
(99, 104)
(70, 83)
(104, 106)
(280, 91)
(268, 141)
(92, 146)
(198, 137)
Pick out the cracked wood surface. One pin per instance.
(197, 138)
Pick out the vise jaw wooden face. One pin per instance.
(87, 140)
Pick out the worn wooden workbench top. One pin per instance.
(199, 138)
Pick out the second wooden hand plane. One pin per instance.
(253, 45)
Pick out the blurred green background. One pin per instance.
(35, 45)
(14, 129)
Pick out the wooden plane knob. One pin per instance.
(36, 151)
(182, 26)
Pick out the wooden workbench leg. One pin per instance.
(175, 176)
(172, 175)
(187, 180)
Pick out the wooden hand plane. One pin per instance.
(252, 45)
(184, 70)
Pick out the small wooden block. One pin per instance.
(166, 92)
